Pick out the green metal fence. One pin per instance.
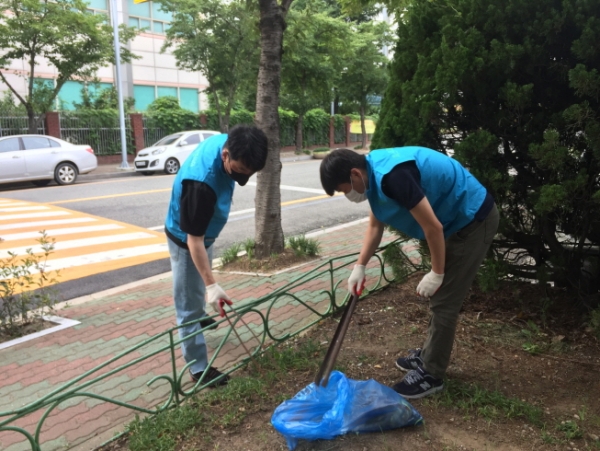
(317, 293)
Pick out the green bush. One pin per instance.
(24, 293)
(166, 114)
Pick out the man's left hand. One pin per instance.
(430, 284)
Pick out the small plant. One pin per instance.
(570, 429)
(231, 253)
(321, 149)
(24, 293)
(303, 246)
(249, 246)
(306, 152)
(595, 321)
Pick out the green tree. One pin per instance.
(72, 40)
(513, 87)
(365, 73)
(102, 99)
(314, 48)
(218, 39)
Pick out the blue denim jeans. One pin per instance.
(188, 293)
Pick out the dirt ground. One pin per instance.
(286, 259)
(523, 342)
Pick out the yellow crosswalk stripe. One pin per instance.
(84, 244)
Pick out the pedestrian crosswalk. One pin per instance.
(83, 244)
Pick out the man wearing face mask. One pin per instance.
(198, 211)
(430, 196)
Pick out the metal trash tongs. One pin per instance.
(336, 343)
(223, 313)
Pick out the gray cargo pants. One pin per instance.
(465, 251)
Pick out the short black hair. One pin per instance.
(335, 168)
(248, 144)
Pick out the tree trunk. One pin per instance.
(32, 121)
(268, 231)
(299, 137)
(222, 125)
(363, 129)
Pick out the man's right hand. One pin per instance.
(214, 294)
(356, 282)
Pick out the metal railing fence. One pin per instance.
(152, 132)
(17, 125)
(103, 134)
(316, 292)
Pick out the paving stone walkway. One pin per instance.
(112, 324)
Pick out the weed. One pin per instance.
(531, 348)
(249, 246)
(570, 429)
(231, 253)
(24, 293)
(488, 404)
(595, 321)
(303, 246)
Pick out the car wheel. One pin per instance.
(65, 174)
(41, 182)
(172, 166)
(148, 172)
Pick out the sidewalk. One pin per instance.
(108, 171)
(113, 322)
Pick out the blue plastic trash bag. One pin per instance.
(343, 406)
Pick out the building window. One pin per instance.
(148, 16)
(98, 7)
(145, 95)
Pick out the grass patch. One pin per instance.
(212, 410)
(231, 253)
(487, 403)
(303, 246)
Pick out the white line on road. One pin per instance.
(30, 208)
(51, 222)
(295, 188)
(43, 214)
(106, 256)
(59, 246)
(64, 231)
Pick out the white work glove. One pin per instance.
(429, 284)
(356, 282)
(214, 295)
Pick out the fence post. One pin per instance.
(137, 131)
(331, 132)
(203, 121)
(52, 125)
(347, 123)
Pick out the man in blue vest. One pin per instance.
(198, 211)
(426, 195)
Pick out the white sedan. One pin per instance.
(40, 159)
(169, 153)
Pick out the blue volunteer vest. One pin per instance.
(454, 194)
(203, 165)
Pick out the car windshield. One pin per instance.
(168, 140)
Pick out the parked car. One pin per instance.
(39, 159)
(169, 153)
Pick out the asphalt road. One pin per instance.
(143, 201)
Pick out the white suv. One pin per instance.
(169, 153)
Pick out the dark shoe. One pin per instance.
(208, 323)
(418, 384)
(213, 378)
(411, 362)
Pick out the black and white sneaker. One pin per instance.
(411, 362)
(213, 377)
(418, 383)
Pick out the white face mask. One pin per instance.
(355, 196)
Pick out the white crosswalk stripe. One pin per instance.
(83, 244)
